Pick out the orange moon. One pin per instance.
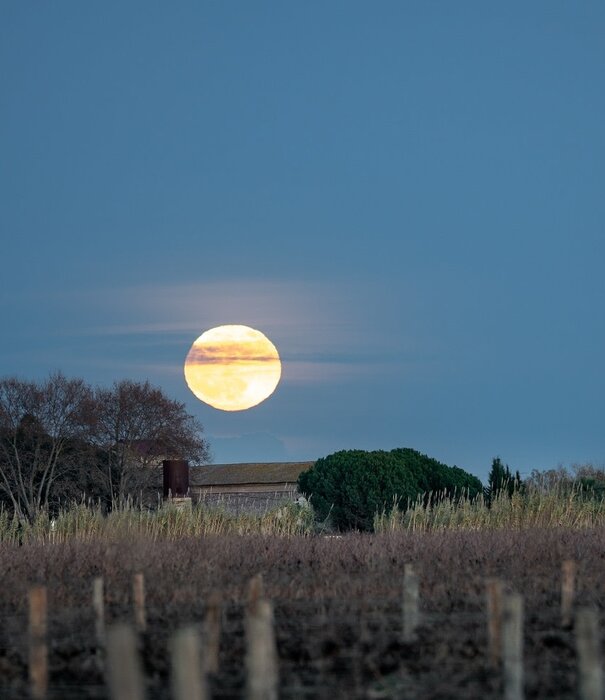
(232, 368)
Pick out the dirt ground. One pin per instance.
(337, 605)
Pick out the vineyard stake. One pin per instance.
(261, 651)
(512, 646)
(411, 615)
(124, 674)
(494, 592)
(38, 650)
(138, 590)
(211, 635)
(590, 671)
(98, 604)
(188, 676)
(568, 580)
(255, 590)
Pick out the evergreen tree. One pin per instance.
(501, 480)
(352, 486)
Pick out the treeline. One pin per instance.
(584, 481)
(400, 489)
(61, 438)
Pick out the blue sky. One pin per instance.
(406, 197)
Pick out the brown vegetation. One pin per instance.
(337, 608)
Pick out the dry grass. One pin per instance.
(534, 508)
(82, 522)
(557, 507)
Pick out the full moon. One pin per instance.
(232, 367)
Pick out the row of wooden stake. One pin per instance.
(505, 636)
(117, 645)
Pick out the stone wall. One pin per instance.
(248, 502)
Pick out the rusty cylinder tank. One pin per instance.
(176, 478)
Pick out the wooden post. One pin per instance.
(188, 676)
(124, 674)
(411, 615)
(494, 592)
(255, 589)
(590, 671)
(568, 581)
(512, 646)
(211, 634)
(138, 594)
(98, 604)
(261, 651)
(38, 651)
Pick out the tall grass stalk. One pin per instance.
(558, 507)
(86, 522)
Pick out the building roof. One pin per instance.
(247, 473)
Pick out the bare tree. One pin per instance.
(136, 427)
(60, 439)
(40, 422)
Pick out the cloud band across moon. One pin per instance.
(224, 355)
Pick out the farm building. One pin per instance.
(246, 487)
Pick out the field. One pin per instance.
(337, 603)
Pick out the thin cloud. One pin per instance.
(286, 309)
(155, 328)
(324, 332)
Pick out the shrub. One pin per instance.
(435, 477)
(352, 486)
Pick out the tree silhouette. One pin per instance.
(60, 438)
(501, 480)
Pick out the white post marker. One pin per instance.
(411, 595)
(512, 646)
(590, 670)
(124, 675)
(494, 592)
(188, 678)
(261, 650)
